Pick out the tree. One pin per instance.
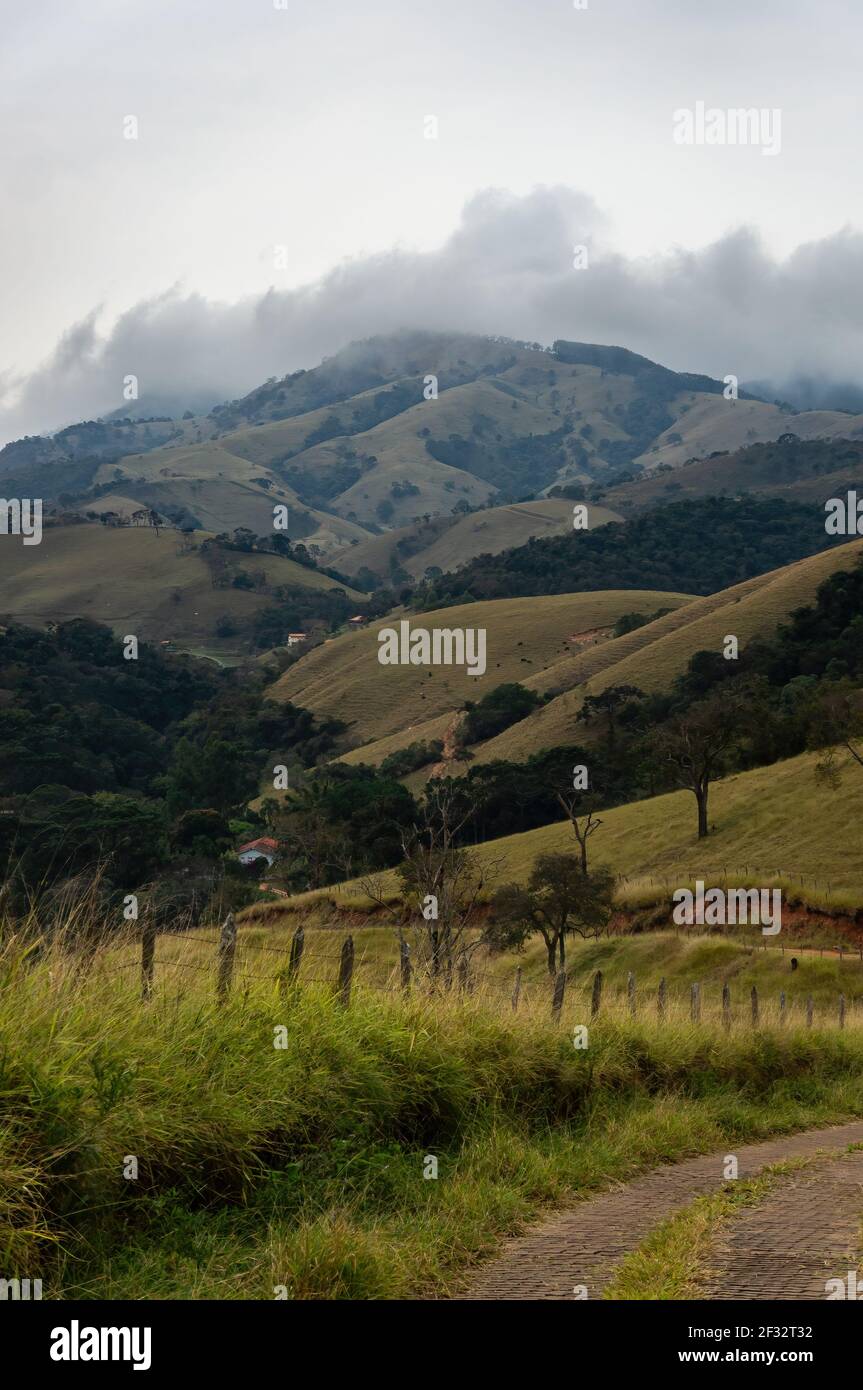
(202, 832)
(609, 703)
(442, 885)
(559, 900)
(317, 851)
(214, 774)
(695, 746)
(496, 711)
(836, 721)
(582, 829)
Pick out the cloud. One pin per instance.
(506, 269)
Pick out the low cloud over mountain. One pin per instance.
(796, 324)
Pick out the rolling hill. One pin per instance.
(344, 678)
(136, 581)
(803, 471)
(355, 447)
(446, 543)
(652, 656)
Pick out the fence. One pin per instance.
(658, 1002)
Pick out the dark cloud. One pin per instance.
(506, 269)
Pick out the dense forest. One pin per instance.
(693, 547)
(110, 761)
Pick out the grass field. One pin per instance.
(344, 678)
(135, 581)
(282, 1148)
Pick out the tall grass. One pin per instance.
(301, 1167)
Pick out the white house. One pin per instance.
(258, 849)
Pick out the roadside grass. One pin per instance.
(298, 1170)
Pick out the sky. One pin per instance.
(281, 196)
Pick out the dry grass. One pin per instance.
(345, 680)
(128, 577)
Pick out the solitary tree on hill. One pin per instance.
(694, 747)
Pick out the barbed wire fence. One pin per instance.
(591, 993)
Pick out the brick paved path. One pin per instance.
(583, 1245)
(801, 1235)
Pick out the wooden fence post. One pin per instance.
(726, 1006)
(660, 999)
(346, 971)
(630, 991)
(596, 996)
(227, 950)
(782, 1007)
(288, 977)
(516, 989)
(695, 1003)
(148, 958)
(754, 1001)
(557, 996)
(809, 1009)
(841, 1010)
(405, 963)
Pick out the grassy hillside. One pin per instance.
(356, 439)
(652, 656)
(709, 423)
(448, 543)
(138, 582)
(344, 678)
(221, 490)
(354, 444)
(771, 826)
(810, 470)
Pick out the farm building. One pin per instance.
(258, 849)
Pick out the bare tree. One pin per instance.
(442, 886)
(583, 826)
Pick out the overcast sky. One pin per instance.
(281, 197)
